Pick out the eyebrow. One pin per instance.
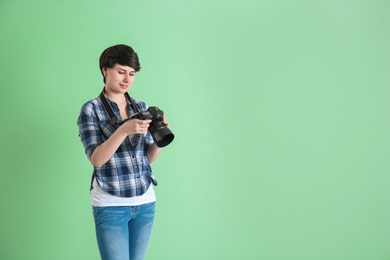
(126, 70)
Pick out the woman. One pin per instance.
(122, 196)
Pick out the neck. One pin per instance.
(118, 98)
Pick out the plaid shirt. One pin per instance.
(128, 172)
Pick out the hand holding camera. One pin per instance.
(135, 126)
(153, 120)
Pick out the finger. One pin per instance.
(143, 122)
(142, 129)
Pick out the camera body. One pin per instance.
(161, 134)
(146, 115)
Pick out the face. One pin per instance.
(119, 78)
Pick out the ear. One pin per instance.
(104, 71)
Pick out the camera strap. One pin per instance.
(110, 111)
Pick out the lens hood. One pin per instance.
(163, 136)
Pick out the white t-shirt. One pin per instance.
(101, 198)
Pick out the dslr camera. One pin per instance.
(161, 134)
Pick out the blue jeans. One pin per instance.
(124, 232)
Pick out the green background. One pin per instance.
(280, 110)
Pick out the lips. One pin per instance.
(123, 86)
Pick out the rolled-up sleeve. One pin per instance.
(89, 130)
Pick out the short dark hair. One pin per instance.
(119, 54)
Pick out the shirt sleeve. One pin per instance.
(89, 130)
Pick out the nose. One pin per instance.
(126, 78)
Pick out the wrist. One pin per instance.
(122, 132)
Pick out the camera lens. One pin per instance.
(162, 136)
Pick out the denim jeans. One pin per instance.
(124, 232)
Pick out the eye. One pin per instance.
(121, 72)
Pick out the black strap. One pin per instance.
(93, 177)
(132, 103)
(108, 108)
(110, 111)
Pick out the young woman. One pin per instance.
(122, 196)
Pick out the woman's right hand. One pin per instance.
(136, 126)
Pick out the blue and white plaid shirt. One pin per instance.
(128, 172)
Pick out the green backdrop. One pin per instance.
(280, 110)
